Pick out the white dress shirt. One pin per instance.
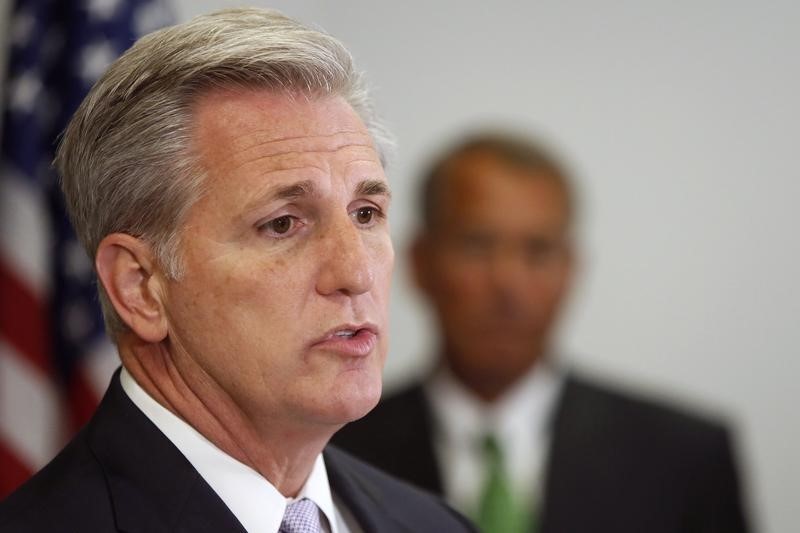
(518, 420)
(252, 499)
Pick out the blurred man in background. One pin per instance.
(499, 428)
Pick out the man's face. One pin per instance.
(496, 266)
(283, 305)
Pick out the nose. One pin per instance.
(347, 266)
(508, 271)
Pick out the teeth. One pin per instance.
(345, 333)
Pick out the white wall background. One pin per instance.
(682, 123)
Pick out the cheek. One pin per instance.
(246, 300)
(382, 257)
(459, 283)
(546, 288)
(269, 303)
(460, 307)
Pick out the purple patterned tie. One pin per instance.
(301, 516)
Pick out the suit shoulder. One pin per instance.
(68, 492)
(678, 465)
(621, 412)
(411, 507)
(620, 401)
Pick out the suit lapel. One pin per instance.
(152, 486)
(576, 427)
(363, 498)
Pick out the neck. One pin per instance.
(489, 385)
(281, 453)
(488, 390)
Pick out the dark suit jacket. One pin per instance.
(122, 474)
(617, 464)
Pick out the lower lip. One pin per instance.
(359, 345)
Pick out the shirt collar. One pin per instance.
(318, 490)
(465, 418)
(255, 502)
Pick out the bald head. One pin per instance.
(528, 158)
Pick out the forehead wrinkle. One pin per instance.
(289, 154)
(263, 139)
(355, 161)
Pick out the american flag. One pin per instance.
(55, 360)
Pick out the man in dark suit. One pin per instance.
(500, 428)
(226, 175)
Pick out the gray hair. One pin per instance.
(125, 158)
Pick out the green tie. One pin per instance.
(499, 512)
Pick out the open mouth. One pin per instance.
(349, 340)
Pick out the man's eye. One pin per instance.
(475, 244)
(541, 250)
(280, 225)
(365, 215)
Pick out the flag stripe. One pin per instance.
(23, 320)
(14, 472)
(30, 410)
(24, 240)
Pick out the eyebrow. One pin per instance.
(373, 188)
(306, 188)
(294, 191)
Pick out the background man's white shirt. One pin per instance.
(519, 421)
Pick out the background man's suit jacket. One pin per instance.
(122, 474)
(617, 464)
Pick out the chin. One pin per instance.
(351, 398)
(357, 402)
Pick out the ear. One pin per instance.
(420, 255)
(569, 271)
(573, 261)
(128, 271)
